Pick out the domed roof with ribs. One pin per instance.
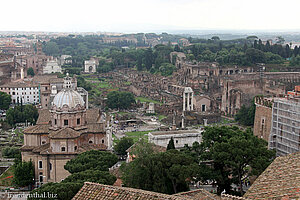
(70, 98)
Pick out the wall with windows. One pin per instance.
(285, 133)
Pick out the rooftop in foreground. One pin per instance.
(98, 192)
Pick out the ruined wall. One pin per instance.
(262, 121)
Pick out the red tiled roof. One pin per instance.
(44, 116)
(199, 194)
(37, 129)
(281, 180)
(102, 192)
(92, 115)
(41, 148)
(64, 133)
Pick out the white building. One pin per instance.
(90, 66)
(21, 91)
(285, 129)
(188, 99)
(52, 67)
(65, 59)
(181, 137)
(151, 108)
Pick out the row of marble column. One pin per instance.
(188, 101)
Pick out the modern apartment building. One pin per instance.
(285, 132)
(24, 92)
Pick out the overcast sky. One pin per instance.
(148, 15)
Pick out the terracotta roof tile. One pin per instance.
(41, 148)
(27, 148)
(199, 194)
(64, 133)
(44, 78)
(92, 115)
(44, 116)
(100, 192)
(280, 180)
(37, 129)
(95, 128)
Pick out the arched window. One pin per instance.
(63, 148)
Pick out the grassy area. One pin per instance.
(91, 79)
(84, 75)
(127, 83)
(144, 99)
(104, 84)
(227, 121)
(138, 134)
(6, 181)
(161, 117)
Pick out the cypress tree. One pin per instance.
(171, 144)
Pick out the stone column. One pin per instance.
(22, 73)
(192, 100)
(183, 101)
(205, 122)
(182, 123)
(188, 102)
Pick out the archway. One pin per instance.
(90, 69)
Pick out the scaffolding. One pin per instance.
(285, 132)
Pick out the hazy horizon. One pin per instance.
(149, 16)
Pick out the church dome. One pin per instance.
(70, 98)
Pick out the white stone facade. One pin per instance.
(181, 137)
(151, 108)
(28, 93)
(90, 66)
(52, 67)
(188, 99)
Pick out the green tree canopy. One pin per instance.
(245, 115)
(81, 82)
(295, 61)
(171, 144)
(165, 172)
(5, 100)
(51, 48)
(167, 69)
(91, 175)
(123, 145)
(11, 152)
(233, 155)
(119, 100)
(62, 191)
(252, 37)
(255, 55)
(23, 174)
(215, 38)
(21, 114)
(280, 40)
(97, 160)
(30, 71)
